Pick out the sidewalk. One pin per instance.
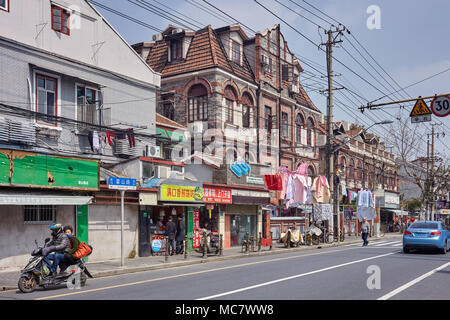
(9, 278)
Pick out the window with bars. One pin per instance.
(39, 214)
(60, 20)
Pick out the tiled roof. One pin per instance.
(163, 121)
(304, 99)
(205, 51)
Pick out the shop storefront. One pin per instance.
(389, 204)
(37, 190)
(244, 216)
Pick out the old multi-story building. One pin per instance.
(364, 163)
(75, 98)
(243, 96)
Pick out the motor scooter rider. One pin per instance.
(58, 245)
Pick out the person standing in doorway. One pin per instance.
(180, 235)
(365, 229)
(171, 230)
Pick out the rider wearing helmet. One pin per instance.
(58, 244)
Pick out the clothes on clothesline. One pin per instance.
(273, 182)
(298, 188)
(365, 205)
(121, 135)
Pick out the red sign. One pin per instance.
(216, 195)
(196, 240)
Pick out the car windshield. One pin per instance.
(422, 225)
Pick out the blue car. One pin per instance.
(426, 235)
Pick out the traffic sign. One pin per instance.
(420, 108)
(421, 118)
(121, 183)
(440, 106)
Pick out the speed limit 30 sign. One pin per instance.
(440, 106)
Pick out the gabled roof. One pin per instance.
(303, 99)
(205, 51)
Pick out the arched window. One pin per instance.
(299, 123)
(230, 98)
(351, 169)
(309, 133)
(198, 103)
(359, 170)
(343, 167)
(247, 109)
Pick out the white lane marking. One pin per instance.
(413, 282)
(398, 244)
(384, 244)
(293, 277)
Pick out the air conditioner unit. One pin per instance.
(17, 132)
(163, 172)
(293, 88)
(153, 151)
(157, 37)
(122, 148)
(196, 127)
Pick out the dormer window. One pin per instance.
(60, 20)
(235, 52)
(176, 49)
(4, 5)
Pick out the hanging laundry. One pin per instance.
(284, 178)
(321, 190)
(273, 182)
(131, 139)
(300, 190)
(290, 189)
(365, 205)
(95, 141)
(90, 139)
(303, 169)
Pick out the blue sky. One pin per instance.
(412, 44)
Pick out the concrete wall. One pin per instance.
(17, 238)
(17, 87)
(104, 231)
(92, 39)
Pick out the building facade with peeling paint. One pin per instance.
(75, 100)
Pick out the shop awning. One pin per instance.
(33, 199)
(400, 212)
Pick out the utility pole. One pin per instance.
(432, 182)
(427, 181)
(330, 154)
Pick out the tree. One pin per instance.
(408, 145)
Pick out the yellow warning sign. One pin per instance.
(420, 108)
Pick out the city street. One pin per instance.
(344, 272)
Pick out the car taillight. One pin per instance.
(435, 233)
(407, 232)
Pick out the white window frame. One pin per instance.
(6, 7)
(58, 99)
(97, 90)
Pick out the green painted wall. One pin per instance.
(37, 170)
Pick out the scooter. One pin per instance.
(209, 242)
(37, 273)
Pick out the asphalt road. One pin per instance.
(379, 271)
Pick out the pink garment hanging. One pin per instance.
(303, 169)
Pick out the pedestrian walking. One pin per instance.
(171, 230)
(365, 229)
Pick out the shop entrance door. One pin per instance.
(239, 226)
(145, 228)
